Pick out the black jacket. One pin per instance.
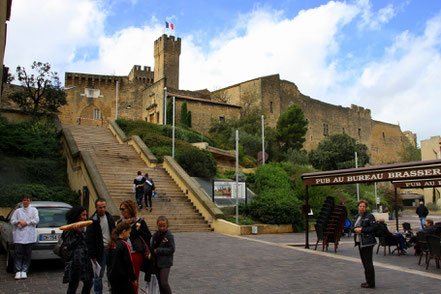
(143, 232)
(120, 264)
(368, 231)
(94, 236)
(422, 211)
(165, 248)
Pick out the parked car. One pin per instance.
(52, 216)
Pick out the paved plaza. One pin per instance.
(215, 263)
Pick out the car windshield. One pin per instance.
(52, 217)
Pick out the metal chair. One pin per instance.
(433, 242)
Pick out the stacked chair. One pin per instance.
(330, 224)
(323, 218)
(335, 226)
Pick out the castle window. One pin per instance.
(359, 132)
(221, 119)
(325, 130)
(343, 130)
(271, 107)
(157, 117)
(97, 114)
(384, 136)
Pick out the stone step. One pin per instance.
(118, 165)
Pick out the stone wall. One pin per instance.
(93, 97)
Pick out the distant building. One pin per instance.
(5, 15)
(431, 149)
(94, 99)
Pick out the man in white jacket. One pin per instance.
(24, 222)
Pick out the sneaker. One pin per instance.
(151, 209)
(139, 206)
(17, 276)
(24, 275)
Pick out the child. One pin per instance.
(121, 273)
(163, 247)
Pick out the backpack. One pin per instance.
(61, 249)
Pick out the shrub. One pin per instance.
(12, 194)
(277, 207)
(30, 139)
(50, 172)
(197, 163)
(271, 177)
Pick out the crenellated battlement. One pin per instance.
(361, 110)
(142, 74)
(167, 44)
(73, 79)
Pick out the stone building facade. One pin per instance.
(431, 149)
(142, 94)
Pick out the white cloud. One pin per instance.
(374, 20)
(404, 85)
(52, 30)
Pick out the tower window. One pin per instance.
(343, 130)
(359, 133)
(384, 136)
(221, 119)
(325, 130)
(271, 107)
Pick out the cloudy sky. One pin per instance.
(384, 55)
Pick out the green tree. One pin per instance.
(338, 152)
(170, 111)
(42, 91)
(410, 153)
(185, 115)
(291, 128)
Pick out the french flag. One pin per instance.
(169, 26)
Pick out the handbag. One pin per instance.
(61, 249)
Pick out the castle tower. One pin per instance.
(167, 51)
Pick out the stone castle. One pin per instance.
(94, 99)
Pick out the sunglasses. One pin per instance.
(122, 209)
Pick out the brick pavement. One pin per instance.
(215, 263)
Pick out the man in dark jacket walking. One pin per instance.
(422, 212)
(149, 188)
(364, 228)
(97, 238)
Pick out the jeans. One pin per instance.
(148, 196)
(98, 280)
(139, 198)
(423, 222)
(22, 258)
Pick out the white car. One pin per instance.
(52, 216)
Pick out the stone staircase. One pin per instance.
(118, 165)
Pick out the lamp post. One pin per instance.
(165, 106)
(116, 101)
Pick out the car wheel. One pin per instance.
(9, 262)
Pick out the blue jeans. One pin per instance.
(22, 258)
(423, 222)
(98, 280)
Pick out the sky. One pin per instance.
(383, 55)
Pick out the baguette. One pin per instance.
(71, 226)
